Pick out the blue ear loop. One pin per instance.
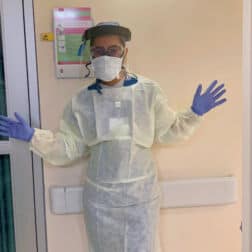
(81, 49)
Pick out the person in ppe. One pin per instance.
(115, 121)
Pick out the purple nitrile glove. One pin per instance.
(202, 103)
(16, 129)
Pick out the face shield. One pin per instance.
(114, 53)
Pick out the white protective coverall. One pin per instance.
(117, 129)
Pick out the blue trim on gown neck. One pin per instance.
(129, 80)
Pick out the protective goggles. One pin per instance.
(113, 51)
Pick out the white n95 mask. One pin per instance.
(106, 68)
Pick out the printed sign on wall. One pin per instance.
(69, 25)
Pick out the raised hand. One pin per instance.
(202, 103)
(16, 129)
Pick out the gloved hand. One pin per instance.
(202, 103)
(15, 129)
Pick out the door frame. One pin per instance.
(20, 68)
(247, 127)
(33, 87)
